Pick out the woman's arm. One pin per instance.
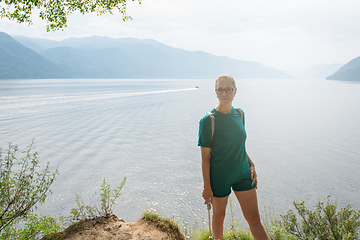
(252, 171)
(205, 166)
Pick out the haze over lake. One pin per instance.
(303, 135)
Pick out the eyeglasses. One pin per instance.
(221, 91)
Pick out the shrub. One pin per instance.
(33, 226)
(323, 223)
(22, 186)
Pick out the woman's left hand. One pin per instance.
(253, 176)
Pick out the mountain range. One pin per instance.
(103, 57)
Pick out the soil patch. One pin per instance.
(110, 227)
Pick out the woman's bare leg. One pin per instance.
(219, 209)
(249, 207)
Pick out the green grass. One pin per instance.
(238, 234)
(159, 221)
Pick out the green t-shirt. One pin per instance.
(228, 144)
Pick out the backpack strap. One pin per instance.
(212, 118)
(241, 115)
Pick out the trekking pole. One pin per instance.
(209, 208)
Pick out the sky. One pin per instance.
(290, 35)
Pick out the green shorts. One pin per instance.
(223, 180)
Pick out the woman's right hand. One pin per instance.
(207, 195)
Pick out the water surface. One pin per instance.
(303, 136)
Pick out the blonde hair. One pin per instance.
(223, 77)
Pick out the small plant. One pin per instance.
(234, 224)
(108, 199)
(107, 202)
(22, 186)
(191, 232)
(82, 211)
(323, 223)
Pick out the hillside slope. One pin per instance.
(19, 62)
(349, 72)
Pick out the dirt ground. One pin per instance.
(110, 227)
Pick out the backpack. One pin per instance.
(212, 118)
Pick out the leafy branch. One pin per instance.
(56, 12)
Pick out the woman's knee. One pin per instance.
(219, 215)
(253, 218)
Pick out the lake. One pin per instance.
(303, 135)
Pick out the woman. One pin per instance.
(225, 162)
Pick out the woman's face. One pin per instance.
(225, 91)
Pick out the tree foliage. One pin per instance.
(22, 186)
(56, 12)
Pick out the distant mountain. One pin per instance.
(19, 62)
(104, 63)
(103, 57)
(349, 72)
(321, 71)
